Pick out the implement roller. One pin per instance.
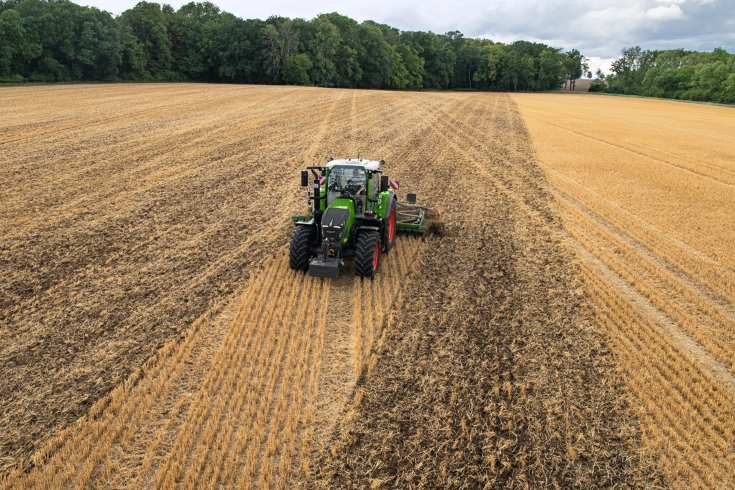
(413, 217)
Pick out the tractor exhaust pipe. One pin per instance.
(384, 183)
(314, 185)
(317, 197)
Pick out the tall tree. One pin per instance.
(467, 62)
(134, 58)
(280, 41)
(518, 69)
(375, 56)
(349, 71)
(191, 29)
(16, 48)
(235, 50)
(296, 69)
(149, 24)
(414, 65)
(323, 48)
(575, 66)
(489, 66)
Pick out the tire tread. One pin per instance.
(298, 255)
(364, 254)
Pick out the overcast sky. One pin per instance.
(599, 29)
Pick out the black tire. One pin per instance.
(367, 254)
(391, 229)
(299, 253)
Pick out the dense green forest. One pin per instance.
(675, 73)
(57, 40)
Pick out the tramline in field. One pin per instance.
(355, 213)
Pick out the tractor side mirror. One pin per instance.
(383, 183)
(411, 198)
(304, 178)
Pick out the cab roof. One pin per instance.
(367, 164)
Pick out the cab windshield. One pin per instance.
(345, 180)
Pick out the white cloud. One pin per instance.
(596, 62)
(610, 17)
(672, 12)
(680, 1)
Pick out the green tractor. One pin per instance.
(355, 212)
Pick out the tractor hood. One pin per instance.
(337, 219)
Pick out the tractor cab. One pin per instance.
(348, 182)
(358, 180)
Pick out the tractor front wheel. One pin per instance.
(367, 254)
(299, 252)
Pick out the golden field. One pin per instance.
(646, 189)
(572, 328)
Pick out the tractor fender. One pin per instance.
(385, 200)
(361, 229)
(315, 232)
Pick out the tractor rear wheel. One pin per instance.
(299, 252)
(367, 254)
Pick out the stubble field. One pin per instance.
(154, 336)
(646, 189)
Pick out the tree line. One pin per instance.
(674, 73)
(57, 40)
